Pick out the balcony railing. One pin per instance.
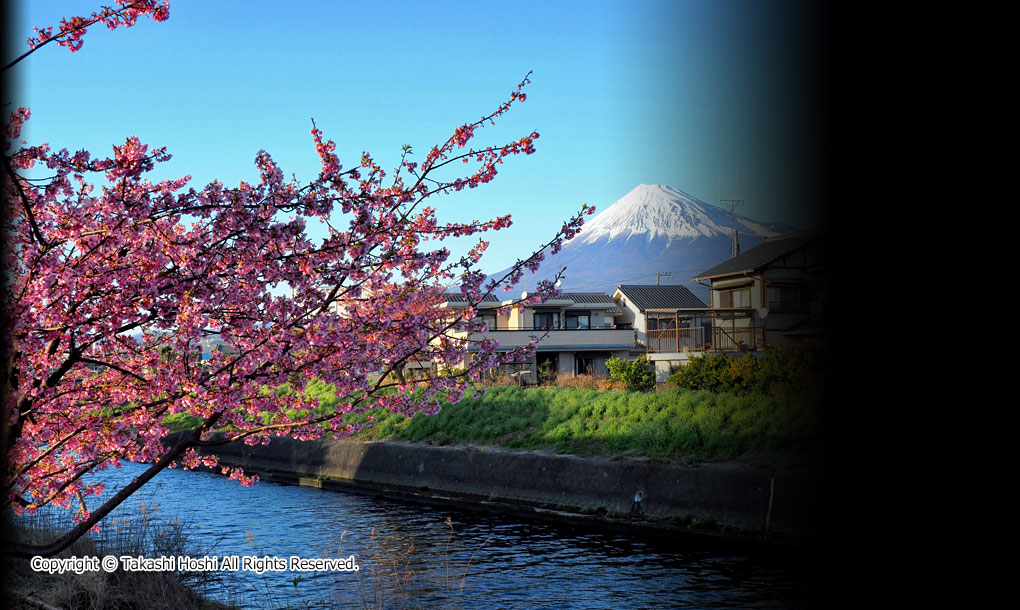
(677, 340)
(577, 338)
(694, 339)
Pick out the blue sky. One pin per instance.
(622, 93)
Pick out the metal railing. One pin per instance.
(677, 339)
(693, 339)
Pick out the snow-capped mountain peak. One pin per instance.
(659, 210)
(653, 229)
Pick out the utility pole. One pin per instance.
(733, 203)
(662, 273)
(734, 240)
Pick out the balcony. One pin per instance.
(563, 339)
(704, 329)
(695, 340)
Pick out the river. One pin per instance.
(412, 555)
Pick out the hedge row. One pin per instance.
(779, 371)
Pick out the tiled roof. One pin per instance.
(456, 297)
(759, 256)
(661, 297)
(589, 298)
(586, 301)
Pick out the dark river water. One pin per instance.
(415, 556)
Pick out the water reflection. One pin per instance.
(417, 556)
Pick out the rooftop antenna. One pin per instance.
(733, 203)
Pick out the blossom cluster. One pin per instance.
(126, 14)
(133, 300)
(121, 284)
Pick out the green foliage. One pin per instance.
(736, 411)
(779, 371)
(673, 424)
(709, 372)
(182, 421)
(636, 374)
(546, 373)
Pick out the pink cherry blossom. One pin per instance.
(131, 300)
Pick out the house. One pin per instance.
(671, 323)
(640, 305)
(578, 333)
(772, 294)
(213, 343)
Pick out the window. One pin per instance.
(545, 320)
(738, 297)
(786, 298)
(578, 319)
(591, 363)
(548, 365)
(489, 319)
(656, 322)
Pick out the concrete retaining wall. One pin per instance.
(719, 498)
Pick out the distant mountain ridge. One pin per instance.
(653, 228)
(661, 210)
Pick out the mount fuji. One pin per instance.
(653, 228)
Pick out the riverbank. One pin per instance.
(675, 424)
(26, 586)
(729, 500)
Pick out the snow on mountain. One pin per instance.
(659, 210)
(653, 228)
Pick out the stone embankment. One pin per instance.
(734, 501)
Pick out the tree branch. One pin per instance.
(48, 550)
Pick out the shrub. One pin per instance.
(778, 371)
(546, 373)
(708, 372)
(634, 374)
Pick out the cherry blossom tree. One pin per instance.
(115, 281)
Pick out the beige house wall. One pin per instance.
(631, 315)
(757, 288)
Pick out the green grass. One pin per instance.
(672, 424)
(675, 424)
